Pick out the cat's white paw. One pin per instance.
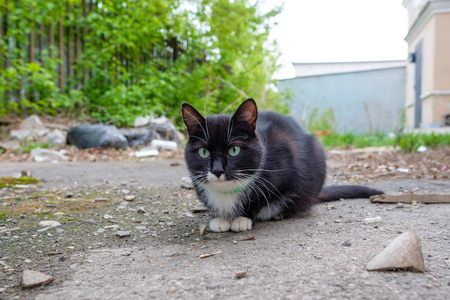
(241, 224)
(219, 225)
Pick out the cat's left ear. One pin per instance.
(246, 115)
(192, 118)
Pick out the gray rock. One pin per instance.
(404, 252)
(31, 128)
(32, 279)
(41, 155)
(141, 210)
(56, 137)
(186, 183)
(49, 223)
(142, 121)
(122, 233)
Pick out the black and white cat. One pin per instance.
(251, 166)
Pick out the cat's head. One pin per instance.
(223, 151)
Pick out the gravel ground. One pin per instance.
(320, 255)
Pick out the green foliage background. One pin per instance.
(139, 57)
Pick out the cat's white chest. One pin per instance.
(225, 205)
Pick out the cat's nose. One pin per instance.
(217, 168)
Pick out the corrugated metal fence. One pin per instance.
(362, 102)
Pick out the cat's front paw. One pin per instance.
(241, 224)
(219, 225)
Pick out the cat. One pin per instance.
(256, 166)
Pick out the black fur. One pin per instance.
(282, 167)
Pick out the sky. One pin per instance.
(338, 31)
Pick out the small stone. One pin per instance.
(346, 244)
(69, 195)
(377, 219)
(404, 252)
(113, 227)
(106, 216)
(240, 274)
(400, 205)
(141, 210)
(186, 183)
(49, 223)
(129, 197)
(125, 192)
(100, 230)
(202, 228)
(199, 209)
(32, 279)
(337, 221)
(122, 233)
(26, 173)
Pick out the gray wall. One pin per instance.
(362, 102)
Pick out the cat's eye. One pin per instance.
(203, 152)
(233, 151)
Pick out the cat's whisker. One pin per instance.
(252, 184)
(263, 170)
(207, 131)
(194, 136)
(237, 137)
(229, 129)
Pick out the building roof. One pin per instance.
(316, 69)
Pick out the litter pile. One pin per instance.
(55, 144)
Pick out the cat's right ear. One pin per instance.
(192, 118)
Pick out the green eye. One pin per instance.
(204, 153)
(233, 151)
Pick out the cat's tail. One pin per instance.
(337, 192)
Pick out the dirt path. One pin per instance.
(322, 255)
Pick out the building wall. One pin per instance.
(362, 102)
(430, 24)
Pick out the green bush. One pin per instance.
(139, 57)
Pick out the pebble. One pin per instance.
(240, 274)
(202, 229)
(377, 219)
(49, 223)
(346, 244)
(122, 233)
(186, 183)
(113, 227)
(69, 195)
(32, 279)
(129, 197)
(199, 209)
(141, 210)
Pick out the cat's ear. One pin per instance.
(192, 118)
(246, 115)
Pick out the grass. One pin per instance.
(11, 181)
(408, 142)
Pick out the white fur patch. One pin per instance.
(220, 196)
(241, 224)
(219, 225)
